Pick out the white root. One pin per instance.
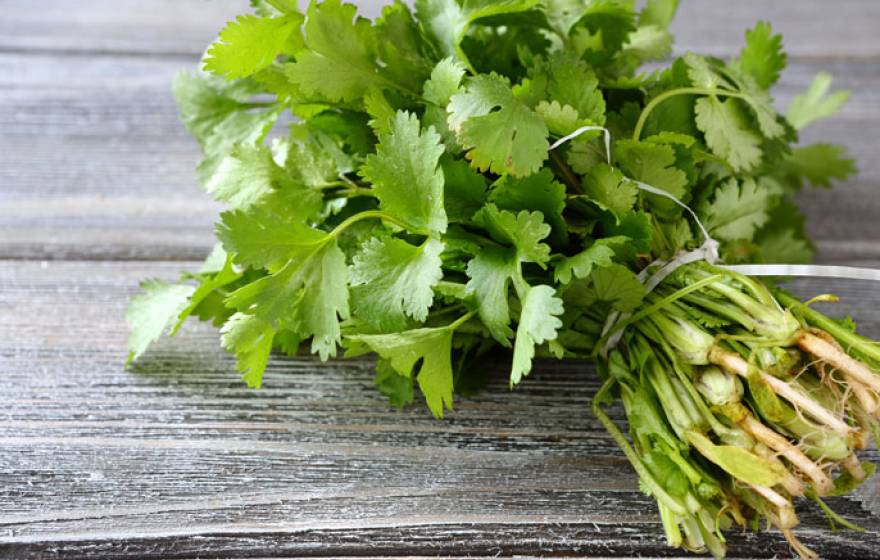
(854, 467)
(736, 364)
(867, 399)
(799, 548)
(786, 518)
(821, 481)
(824, 350)
(791, 483)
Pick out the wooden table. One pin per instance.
(178, 459)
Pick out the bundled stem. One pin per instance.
(769, 425)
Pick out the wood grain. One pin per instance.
(178, 457)
(184, 27)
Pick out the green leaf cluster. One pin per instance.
(390, 186)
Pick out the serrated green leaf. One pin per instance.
(406, 175)
(538, 323)
(500, 133)
(606, 186)
(538, 192)
(263, 237)
(815, 103)
(153, 313)
(339, 62)
(444, 82)
(570, 83)
(219, 115)
(430, 349)
(250, 339)
(818, 164)
(618, 286)
(250, 43)
(762, 57)
(307, 295)
(738, 208)
(490, 273)
(582, 264)
(392, 280)
(524, 231)
(728, 133)
(653, 164)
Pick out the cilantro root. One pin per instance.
(435, 185)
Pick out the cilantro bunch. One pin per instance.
(394, 188)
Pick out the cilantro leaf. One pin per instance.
(262, 237)
(406, 175)
(251, 43)
(500, 133)
(815, 103)
(392, 279)
(447, 21)
(538, 323)
(739, 208)
(219, 116)
(402, 47)
(210, 282)
(339, 61)
(618, 286)
(538, 192)
(307, 295)
(250, 338)
(762, 57)
(464, 191)
(602, 30)
(654, 164)
(606, 186)
(571, 83)
(728, 132)
(490, 273)
(818, 164)
(425, 354)
(153, 313)
(398, 388)
(524, 231)
(582, 264)
(444, 82)
(249, 175)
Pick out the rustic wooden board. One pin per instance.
(175, 27)
(178, 458)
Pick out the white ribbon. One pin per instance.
(816, 270)
(708, 252)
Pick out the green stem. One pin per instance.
(461, 320)
(570, 178)
(644, 474)
(673, 93)
(658, 305)
(370, 214)
(356, 191)
(278, 5)
(257, 104)
(848, 339)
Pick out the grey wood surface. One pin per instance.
(178, 459)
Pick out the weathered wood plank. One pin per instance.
(96, 164)
(185, 26)
(178, 458)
